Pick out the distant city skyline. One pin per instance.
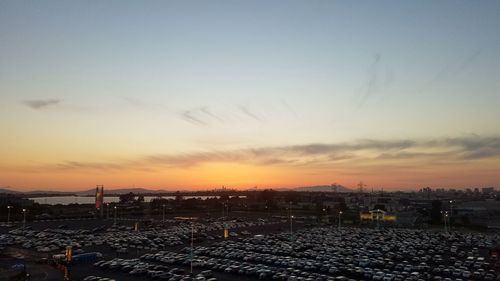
(199, 94)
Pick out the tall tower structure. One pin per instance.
(99, 199)
(334, 187)
(361, 185)
(102, 201)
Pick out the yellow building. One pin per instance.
(377, 215)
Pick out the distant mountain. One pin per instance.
(322, 188)
(120, 191)
(48, 192)
(84, 192)
(8, 191)
(91, 192)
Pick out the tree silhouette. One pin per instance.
(127, 198)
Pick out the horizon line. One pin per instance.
(290, 188)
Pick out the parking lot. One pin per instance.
(256, 249)
(41, 240)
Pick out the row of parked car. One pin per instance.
(235, 268)
(356, 253)
(119, 238)
(97, 278)
(50, 240)
(320, 253)
(161, 237)
(136, 267)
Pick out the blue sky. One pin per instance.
(111, 81)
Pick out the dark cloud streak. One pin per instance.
(208, 112)
(202, 116)
(188, 116)
(376, 79)
(451, 70)
(475, 147)
(39, 104)
(360, 153)
(249, 113)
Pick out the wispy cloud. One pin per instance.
(467, 62)
(362, 153)
(217, 114)
(206, 110)
(451, 70)
(189, 116)
(133, 101)
(201, 116)
(72, 165)
(377, 78)
(285, 104)
(38, 104)
(476, 147)
(246, 110)
(373, 73)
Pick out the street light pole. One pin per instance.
(378, 218)
(291, 220)
(115, 216)
(8, 215)
(223, 208)
(447, 222)
(163, 220)
(24, 218)
(445, 217)
(451, 214)
(340, 215)
(192, 242)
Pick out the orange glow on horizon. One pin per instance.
(246, 176)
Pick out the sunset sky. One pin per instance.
(199, 94)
